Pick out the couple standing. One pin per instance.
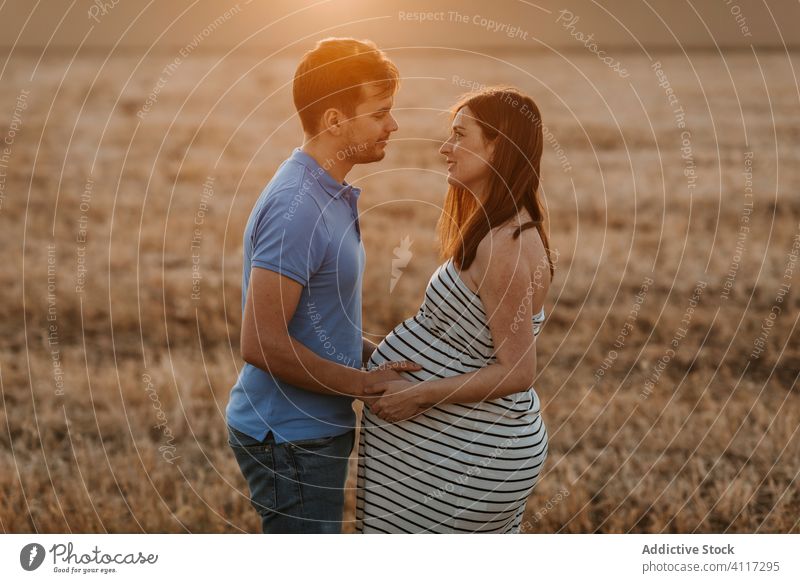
(452, 439)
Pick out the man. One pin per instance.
(290, 417)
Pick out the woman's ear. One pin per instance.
(490, 147)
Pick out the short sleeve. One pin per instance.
(290, 236)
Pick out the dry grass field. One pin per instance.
(668, 364)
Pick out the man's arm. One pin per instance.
(265, 342)
(367, 348)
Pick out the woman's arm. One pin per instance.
(507, 294)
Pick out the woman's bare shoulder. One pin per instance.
(505, 256)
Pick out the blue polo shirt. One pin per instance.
(304, 226)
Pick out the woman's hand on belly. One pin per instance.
(400, 400)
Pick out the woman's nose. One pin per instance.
(445, 147)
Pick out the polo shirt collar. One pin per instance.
(325, 180)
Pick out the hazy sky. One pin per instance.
(296, 24)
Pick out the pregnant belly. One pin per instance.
(439, 357)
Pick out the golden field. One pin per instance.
(125, 191)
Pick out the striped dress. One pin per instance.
(457, 467)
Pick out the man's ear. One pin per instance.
(332, 121)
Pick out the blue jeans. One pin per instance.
(298, 486)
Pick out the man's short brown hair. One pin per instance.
(332, 74)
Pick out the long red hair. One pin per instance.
(512, 120)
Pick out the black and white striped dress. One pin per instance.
(457, 467)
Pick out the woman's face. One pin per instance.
(468, 154)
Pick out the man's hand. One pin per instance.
(383, 373)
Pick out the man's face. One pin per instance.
(368, 130)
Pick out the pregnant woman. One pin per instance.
(459, 445)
